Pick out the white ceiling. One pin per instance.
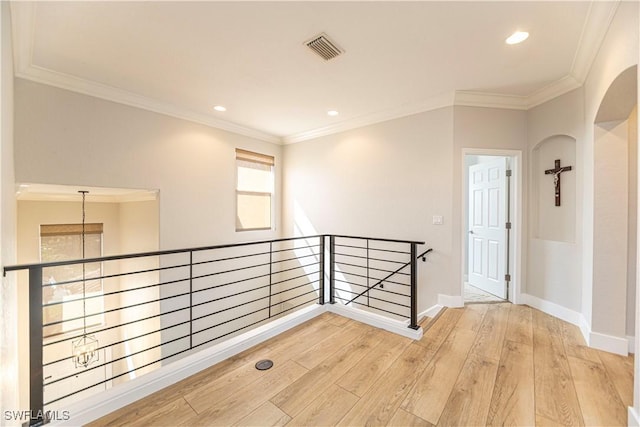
(182, 58)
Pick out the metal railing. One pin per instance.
(376, 274)
(155, 307)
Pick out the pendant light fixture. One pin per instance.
(85, 348)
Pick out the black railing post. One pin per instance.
(190, 299)
(271, 277)
(321, 284)
(368, 284)
(332, 269)
(413, 324)
(36, 381)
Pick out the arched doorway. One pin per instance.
(615, 208)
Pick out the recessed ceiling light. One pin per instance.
(219, 108)
(332, 113)
(517, 37)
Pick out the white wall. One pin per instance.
(390, 179)
(385, 180)
(64, 137)
(548, 221)
(610, 226)
(632, 247)
(618, 52)
(555, 129)
(138, 232)
(9, 386)
(485, 129)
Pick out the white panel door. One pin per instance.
(487, 230)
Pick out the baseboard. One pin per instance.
(553, 309)
(99, 405)
(609, 343)
(430, 312)
(450, 300)
(632, 344)
(596, 340)
(373, 319)
(633, 419)
(585, 328)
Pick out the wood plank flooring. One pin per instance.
(496, 364)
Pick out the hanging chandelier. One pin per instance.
(85, 348)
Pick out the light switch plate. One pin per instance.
(437, 219)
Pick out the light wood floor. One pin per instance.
(486, 364)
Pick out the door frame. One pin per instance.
(516, 238)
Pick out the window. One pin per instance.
(62, 242)
(254, 191)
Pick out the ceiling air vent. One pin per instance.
(324, 47)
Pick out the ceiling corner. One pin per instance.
(555, 89)
(23, 27)
(433, 103)
(595, 28)
(490, 100)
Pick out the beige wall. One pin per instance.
(31, 214)
(486, 129)
(64, 137)
(9, 386)
(555, 129)
(611, 207)
(390, 179)
(139, 233)
(635, 411)
(129, 227)
(385, 180)
(618, 52)
(632, 248)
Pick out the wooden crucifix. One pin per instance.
(556, 177)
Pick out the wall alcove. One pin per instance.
(551, 222)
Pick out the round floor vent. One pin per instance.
(263, 365)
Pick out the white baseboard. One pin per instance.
(450, 300)
(633, 419)
(552, 308)
(99, 405)
(632, 344)
(596, 340)
(609, 343)
(373, 319)
(430, 312)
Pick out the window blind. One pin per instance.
(250, 156)
(68, 229)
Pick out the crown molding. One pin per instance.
(599, 18)
(23, 28)
(23, 15)
(433, 103)
(595, 29)
(466, 98)
(553, 90)
(110, 93)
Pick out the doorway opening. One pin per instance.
(50, 227)
(491, 225)
(615, 205)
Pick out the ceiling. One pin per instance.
(183, 58)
